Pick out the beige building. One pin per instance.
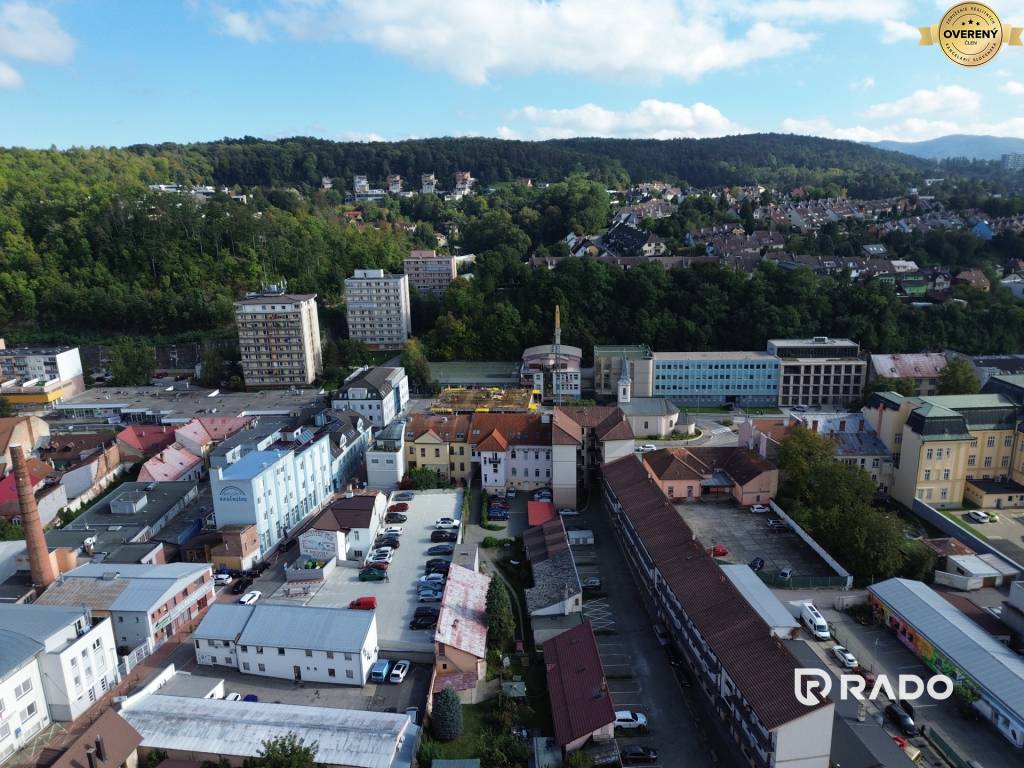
(819, 371)
(279, 339)
(430, 272)
(378, 308)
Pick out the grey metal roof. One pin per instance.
(136, 588)
(301, 626)
(555, 579)
(344, 737)
(648, 406)
(761, 599)
(984, 659)
(37, 622)
(223, 621)
(15, 650)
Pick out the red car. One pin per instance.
(718, 551)
(400, 507)
(380, 566)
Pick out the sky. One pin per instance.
(119, 72)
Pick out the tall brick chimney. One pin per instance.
(35, 541)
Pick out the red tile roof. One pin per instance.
(516, 428)
(447, 428)
(495, 442)
(607, 421)
(147, 439)
(538, 512)
(38, 471)
(580, 702)
(120, 740)
(759, 665)
(741, 464)
(210, 429)
(462, 621)
(460, 681)
(170, 464)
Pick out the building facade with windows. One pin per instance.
(23, 711)
(35, 377)
(819, 371)
(378, 394)
(279, 339)
(385, 458)
(378, 310)
(430, 272)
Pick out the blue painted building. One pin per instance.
(746, 379)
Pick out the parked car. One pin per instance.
(497, 515)
(442, 569)
(540, 493)
(367, 603)
(405, 496)
(756, 564)
(427, 610)
(395, 517)
(446, 524)
(978, 516)
(510, 493)
(241, 585)
(568, 512)
(844, 657)
(233, 696)
(430, 596)
(719, 550)
(637, 754)
(423, 622)
(432, 578)
(898, 717)
(497, 502)
(400, 670)
(591, 582)
(436, 536)
(372, 574)
(775, 524)
(380, 556)
(252, 698)
(392, 530)
(250, 597)
(759, 509)
(628, 720)
(388, 542)
(434, 561)
(222, 579)
(800, 407)
(441, 549)
(379, 671)
(648, 447)
(381, 565)
(786, 572)
(869, 679)
(400, 507)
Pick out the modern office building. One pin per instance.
(819, 371)
(279, 338)
(378, 308)
(430, 272)
(377, 394)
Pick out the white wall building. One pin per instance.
(385, 458)
(78, 656)
(290, 642)
(23, 711)
(378, 308)
(44, 363)
(275, 489)
(378, 394)
(346, 528)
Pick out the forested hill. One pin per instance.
(777, 160)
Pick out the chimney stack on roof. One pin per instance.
(35, 541)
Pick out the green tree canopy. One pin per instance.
(416, 365)
(132, 363)
(446, 720)
(958, 378)
(6, 408)
(501, 622)
(288, 751)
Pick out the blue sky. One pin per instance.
(116, 72)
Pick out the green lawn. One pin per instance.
(954, 515)
(474, 738)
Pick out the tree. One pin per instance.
(965, 694)
(132, 363)
(501, 623)
(958, 378)
(214, 369)
(905, 387)
(918, 561)
(287, 751)
(425, 478)
(446, 723)
(6, 409)
(352, 353)
(578, 759)
(416, 365)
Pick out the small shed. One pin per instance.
(584, 538)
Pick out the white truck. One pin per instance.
(810, 617)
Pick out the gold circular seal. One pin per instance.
(970, 34)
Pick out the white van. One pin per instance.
(815, 623)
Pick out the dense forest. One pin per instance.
(87, 251)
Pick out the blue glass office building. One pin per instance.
(746, 379)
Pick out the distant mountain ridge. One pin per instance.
(955, 145)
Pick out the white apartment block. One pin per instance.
(430, 272)
(377, 394)
(275, 489)
(360, 184)
(279, 339)
(45, 363)
(394, 184)
(428, 184)
(378, 308)
(23, 711)
(77, 654)
(289, 642)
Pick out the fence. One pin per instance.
(845, 580)
(805, 582)
(943, 747)
(132, 659)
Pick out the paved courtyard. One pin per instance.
(747, 536)
(1007, 535)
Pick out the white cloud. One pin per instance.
(34, 34)
(951, 99)
(649, 119)
(864, 84)
(242, 24)
(819, 11)
(9, 76)
(910, 129)
(1013, 88)
(475, 41)
(504, 132)
(896, 31)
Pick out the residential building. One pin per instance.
(290, 642)
(700, 474)
(975, 278)
(279, 338)
(429, 272)
(349, 435)
(77, 658)
(275, 488)
(555, 601)
(109, 742)
(1013, 161)
(460, 638)
(50, 495)
(30, 432)
(819, 371)
(513, 449)
(723, 638)
(146, 604)
(377, 394)
(138, 442)
(628, 241)
(581, 704)
(345, 529)
(442, 443)
(950, 643)
(987, 366)
(195, 729)
(923, 369)
(583, 438)
(463, 182)
(378, 309)
(360, 184)
(235, 547)
(780, 621)
(385, 458)
(428, 184)
(172, 463)
(21, 693)
(201, 434)
(394, 184)
(39, 377)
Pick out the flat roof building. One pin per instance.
(430, 272)
(819, 371)
(378, 309)
(279, 339)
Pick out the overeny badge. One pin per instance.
(970, 34)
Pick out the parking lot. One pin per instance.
(396, 597)
(1006, 535)
(747, 536)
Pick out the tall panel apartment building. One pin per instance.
(378, 308)
(34, 377)
(819, 371)
(430, 272)
(279, 338)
